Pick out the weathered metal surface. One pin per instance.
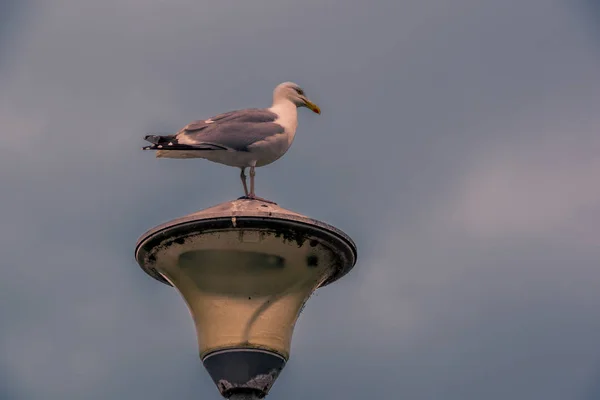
(243, 213)
(254, 373)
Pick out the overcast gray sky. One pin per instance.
(458, 146)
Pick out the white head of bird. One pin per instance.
(290, 91)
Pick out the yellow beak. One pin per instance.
(312, 106)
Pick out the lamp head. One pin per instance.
(245, 270)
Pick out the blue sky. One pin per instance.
(458, 146)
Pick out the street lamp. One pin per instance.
(245, 269)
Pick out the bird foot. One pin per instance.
(254, 197)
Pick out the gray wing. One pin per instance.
(235, 130)
(248, 115)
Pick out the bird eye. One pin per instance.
(300, 91)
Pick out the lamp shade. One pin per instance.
(245, 269)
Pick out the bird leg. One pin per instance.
(252, 174)
(243, 178)
(251, 195)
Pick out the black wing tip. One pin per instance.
(156, 147)
(170, 142)
(151, 138)
(177, 146)
(168, 146)
(158, 139)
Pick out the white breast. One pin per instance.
(272, 148)
(288, 118)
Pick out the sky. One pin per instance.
(458, 146)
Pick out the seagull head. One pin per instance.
(292, 92)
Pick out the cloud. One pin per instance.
(13, 14)
(540, 184)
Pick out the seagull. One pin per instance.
(248, 138)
